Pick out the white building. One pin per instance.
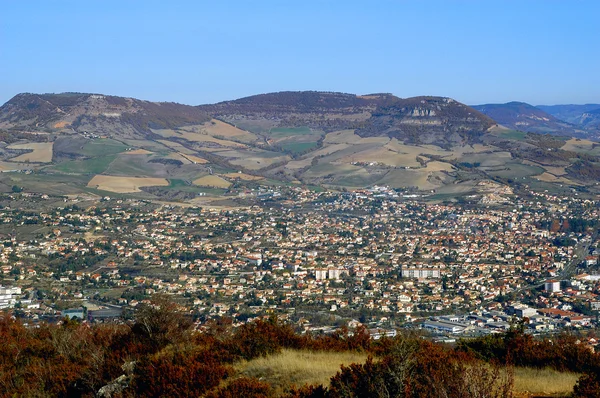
(8, 296)
(552, 286)
(420, 273)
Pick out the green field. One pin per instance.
(298, 147)
(511, 135)
(103, 147)
(88, 166)
(281, 132)
(177, 183)
(516, 170)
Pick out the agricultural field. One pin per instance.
(207, 139)
(89, 166)
(514, 170)
(194, 159)
(419, 178)
(253, 159)
(41, 152)
(212, 181)
(281, 132)
(508, 134)
(103, 147)
(177, 147)
(53, 184)
(298, 147)
(493, 159)
(582, 146)
(138, 152)
(349, 137)
(124, 184)
(221, 129)
(306, 160)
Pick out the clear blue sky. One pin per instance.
(541, 52)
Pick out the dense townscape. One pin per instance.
(378, 257)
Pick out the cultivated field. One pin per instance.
(348, 137)
(88, 166)
(212, 181)
(125, 184)
(194, 159)
(252, 159)
(103, 147)
(547, 177)
(203, 138)
(218, 128)
(177, 147)
(42, 152)
(579, 145)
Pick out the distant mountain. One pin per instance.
(102, 114)
(525, 117)
(591, 120)
(103, 143)
(570, 113)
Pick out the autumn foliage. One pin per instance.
(159, 354)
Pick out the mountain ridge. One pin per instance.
(328, 139)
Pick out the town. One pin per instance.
(380, 257)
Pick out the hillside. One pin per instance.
(569, 113)
(158, 354)
(327, 111)
(525, 117)
(591, 120)
(427, 120)
(94, 113)
(97, 144)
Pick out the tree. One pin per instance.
(160, 323)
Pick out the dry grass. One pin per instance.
(439, 166)
(196, 137)
(125, 184)
(543, 382)
(253, 160)
(212, 181)
(298, 367)
(42, 152)
(194, 159)
(179, 156)
(217, 127)
(307, 367)
(60, 125)
(578, 145)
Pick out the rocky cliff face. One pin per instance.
(427, 120)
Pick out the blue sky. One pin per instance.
(194, 52)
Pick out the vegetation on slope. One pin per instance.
(158, 354)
